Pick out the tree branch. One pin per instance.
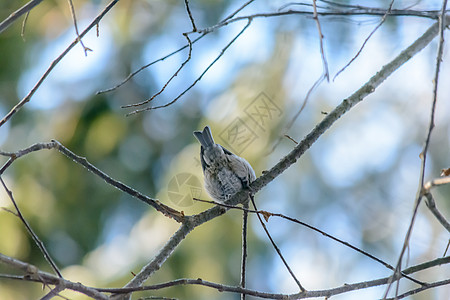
(27, 98)
(164, 209)
(18, 13)
(33, 235)
(344, 107)
(383, 19)
(267, 215)
(440, 27)
(244, 248)
(277, 249)
(32, 273)
(306, 294)
(432, 207)
(198, 78)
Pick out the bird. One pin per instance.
(225, 173)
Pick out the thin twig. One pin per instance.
(244, 248)
(198, 78)
(421, 191)
(96, 293)
(239, 9)
(18, 13)
(168, 81)
(192, 221)
(186, 3)
(24, 23)
(326, 73)
(276, 247)
(383, 19)
(432, 207)
(268, 215)
(54, 292)
(430, 14)
(347, 104)
(131, 75)
(27, 98)
(74, 18)
(446, 248)
(33, 235)
(421, 289)
(302, 107)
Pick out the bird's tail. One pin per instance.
(205, 137)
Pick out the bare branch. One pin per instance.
(54, 292)
(170, 79)
(388, 11)
(32, 273)
(277, 249)
(18, 13)
(97, 293)
(363, 11)
(24, 23)
(164, 209)
(440, 28)
(74, 18)
(302, 107)
(160, 258)
(33, 235)
(15, 155)
(198, 78)
(244, 247)
(188, 10)
(230, 16)
(421, 289)
(326, 73)
(131, 75)
(27, 98)
(188, 223)
(432, 206)
(306, 294)
(344, 107)
(267, 215)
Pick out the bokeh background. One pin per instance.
(357, 182)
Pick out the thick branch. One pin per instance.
(307, 294)
(166, 210)
(345, 106)
(33, 274)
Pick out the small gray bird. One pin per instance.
(225, 173)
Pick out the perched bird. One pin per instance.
(225, 173)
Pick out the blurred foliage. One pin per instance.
(357, 182)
